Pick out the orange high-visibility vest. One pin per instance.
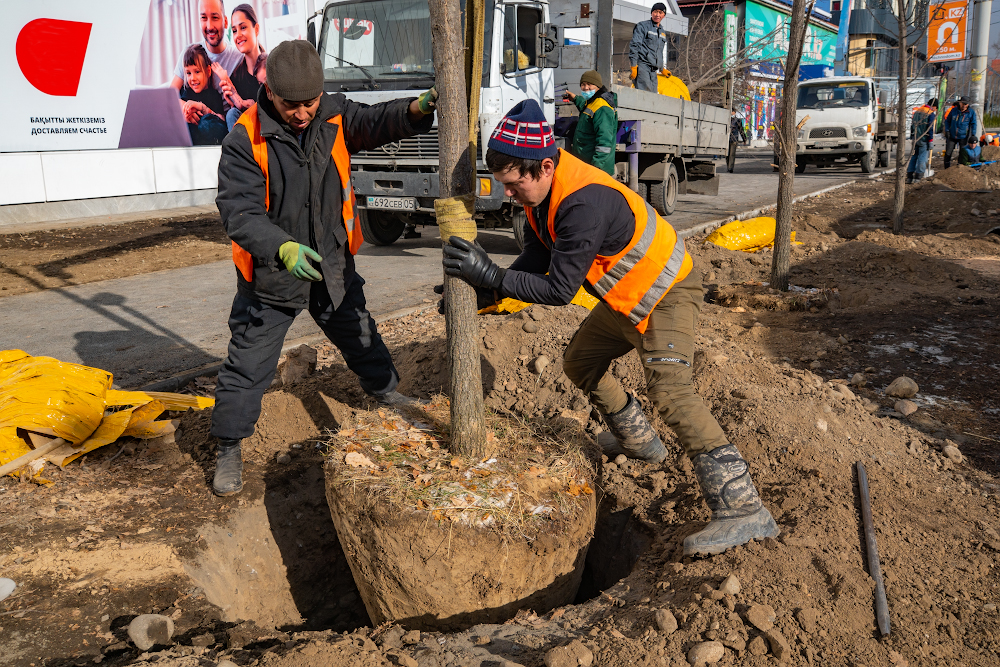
(341, 158)
(637, 278)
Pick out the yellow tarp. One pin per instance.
(509, 305)
(672, 86)
(75, 403)
(746, 235)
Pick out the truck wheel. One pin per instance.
(883, 156)
(663, 194)
(868, 161)
(380, 227)
(520, 224)
(800, 167)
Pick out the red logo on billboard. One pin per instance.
(50, 54)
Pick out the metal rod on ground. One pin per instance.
(36, 453)
(874, 566)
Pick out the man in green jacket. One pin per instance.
(594, 139)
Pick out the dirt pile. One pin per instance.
(797, 380)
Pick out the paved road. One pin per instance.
(145, 328)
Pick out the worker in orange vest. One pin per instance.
(287, 203)
(589, 229)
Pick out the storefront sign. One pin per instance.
(766, 37)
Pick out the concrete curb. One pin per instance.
(712, 225)
(175, 382)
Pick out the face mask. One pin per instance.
(587, 94)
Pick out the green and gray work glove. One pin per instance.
(296, 258)
(427, 101)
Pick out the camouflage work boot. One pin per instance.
(228, 468)
(738, 515)
(631, 435)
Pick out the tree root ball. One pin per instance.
(431, 574)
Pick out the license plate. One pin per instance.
(392, 203)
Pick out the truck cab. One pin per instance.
(840, 120)
(379, 50)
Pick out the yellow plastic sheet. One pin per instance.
(75, 403)
(746, 235)
(672, 86)
(509, 305)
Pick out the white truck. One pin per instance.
(376, 50)
(844, 121)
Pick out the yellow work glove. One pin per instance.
(296, 259)
(635, 72)
(427, 101)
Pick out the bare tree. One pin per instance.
(457, 178)
(785, 142)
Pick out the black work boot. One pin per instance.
(738, 515)
(909, 177)
(228, 468)
(631, 435)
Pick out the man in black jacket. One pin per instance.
(287, 203)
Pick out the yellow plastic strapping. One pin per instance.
(455, 217)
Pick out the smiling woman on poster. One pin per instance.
(240, 90)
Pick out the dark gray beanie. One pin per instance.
(593, 77)
(294, 71)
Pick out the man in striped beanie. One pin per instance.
(589, 229)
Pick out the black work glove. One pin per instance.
(484, 298)
(470, 262)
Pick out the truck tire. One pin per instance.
(868, 162)
(663, 194)
(883, 157)
(380, 227)
(800, 166)
(520, 224)
(774, 162)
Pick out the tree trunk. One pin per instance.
(787, 144)
(468, 433)
(897, 208)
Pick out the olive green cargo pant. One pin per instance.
(667, 354)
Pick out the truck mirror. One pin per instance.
(548, 45)
(311, 34)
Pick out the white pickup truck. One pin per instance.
(844, 121)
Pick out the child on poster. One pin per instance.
(203, 106)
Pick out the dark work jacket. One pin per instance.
(646, 47)
(305, 192)
(593, 220)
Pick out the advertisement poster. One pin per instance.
(134, 73)
(730, 45)
(946, 31)
(766, 37)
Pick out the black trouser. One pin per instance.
(949, 147)
(258, 332)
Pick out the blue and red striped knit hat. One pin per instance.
(524, 133)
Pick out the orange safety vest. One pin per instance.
(637, 278)
(341, 158)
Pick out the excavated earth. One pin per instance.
(798, 382)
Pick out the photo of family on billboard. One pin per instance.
(201, 66)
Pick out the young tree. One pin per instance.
(457, 178)
(785, 142)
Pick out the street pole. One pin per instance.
(980, 51)
(605, 40)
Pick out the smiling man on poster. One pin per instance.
(214, 23)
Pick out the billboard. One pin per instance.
(766, 37)
(946, 31)
(113, 74)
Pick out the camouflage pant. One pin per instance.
(667, 354)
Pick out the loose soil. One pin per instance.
(73, 256)
(261, 579)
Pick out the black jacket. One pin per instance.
(305, 192)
